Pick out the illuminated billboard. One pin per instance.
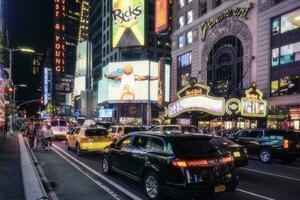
(63, 87)
(79, 85)
(130, 81)
(161, 15)
(128, 23)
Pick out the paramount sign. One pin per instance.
(210, 23)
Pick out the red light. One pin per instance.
(203, 163)
(286, 144)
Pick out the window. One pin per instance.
(255, 134)
(285, 54)
(203, 8)
(181, 21)
(189, 1)
(184, 79)
(181, 3)
(243, 134)
(95, 132)
(155, 144)
(181, 41)
(216, 3)
(125, 142)
(184, 59)
(274, 88)
(287, 85)
(275, 57)
(285, 23)
(189, 17)
(189, 37)
(139, 142)
(275, 26)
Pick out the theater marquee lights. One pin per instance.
(128, 23)
(59, 40)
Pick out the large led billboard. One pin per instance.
(81, 59)
(161, 15)
(128, 23)
(129, 81)
(79, 85)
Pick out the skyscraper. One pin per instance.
(84, 21)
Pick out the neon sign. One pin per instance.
(59, 39)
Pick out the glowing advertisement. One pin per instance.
(129, 81)
(46, 86)
(81, 59)
(59, 40)
(128, 23)
(106, 113)
(161, 15)
(79, 85)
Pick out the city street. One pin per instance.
(75, 176)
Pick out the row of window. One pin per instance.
(186, 38)
(286, 22)
(215, 3)
(286, 86)
(184, 59)
(286, 54)
(185, 19)
(181, 3)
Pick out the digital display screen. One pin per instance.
(106, 113)
(79, 85)
(63, 87)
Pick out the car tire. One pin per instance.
(265, 156)
(152, 186)
(78, 150)
(68, 146)
(106, 165)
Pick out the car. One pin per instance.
(118, 131)
(84, 139)
(186, 129)
(268, 144)
(238, 152)
(172, 164)
(59, 127)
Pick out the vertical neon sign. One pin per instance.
(59, 39)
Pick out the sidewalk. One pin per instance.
(11, 184)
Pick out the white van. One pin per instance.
(59, 127)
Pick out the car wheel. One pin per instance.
(152, 186)
(78, 150)
(265, 156)
(106, 165)
(67, 145)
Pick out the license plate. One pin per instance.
(236, 154)
(219, 188)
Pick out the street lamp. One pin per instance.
(10, 51)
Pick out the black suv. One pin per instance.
(270, 143)
(172, 164)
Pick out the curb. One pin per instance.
(50, 191)
(33, 187)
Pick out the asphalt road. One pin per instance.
(81, 178)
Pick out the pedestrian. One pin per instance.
(48, 134)
(5, 128)
(32, 135)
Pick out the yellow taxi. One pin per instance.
(85, 139)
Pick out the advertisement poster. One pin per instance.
(128, 23)
(128, 81)
(161, 15)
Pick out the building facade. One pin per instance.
(100, 34)
(227, 45)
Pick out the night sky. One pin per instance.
(29, 24)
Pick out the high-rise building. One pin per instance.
(84, 21)
(66, 31)
(101, 36)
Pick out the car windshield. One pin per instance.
(222, 141)
(54, 123)
(131, 129)
(195, 147)
(95, 132)
(62, 123)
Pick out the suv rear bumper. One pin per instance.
(193, 191)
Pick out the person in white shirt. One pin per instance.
(48, 134)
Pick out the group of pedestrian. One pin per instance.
(36, 130)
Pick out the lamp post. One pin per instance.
(10, 51)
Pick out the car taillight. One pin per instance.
(202, 163)
(285, 144)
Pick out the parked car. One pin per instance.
(186, 129)
(238, 152)
(269, 144)
(118, 131)
(172, 164)
(87, 140)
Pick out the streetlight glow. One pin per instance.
(27, 50)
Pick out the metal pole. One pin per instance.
(11, 99)
(149, 100)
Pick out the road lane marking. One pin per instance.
(253, 194)
(95, 181)
(117, 186)
(271, 174)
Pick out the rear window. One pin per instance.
(170, 128)
(54, 123)
(131, 129)
(62, 123)
(189, 129)
(95, 132)
(195, 147)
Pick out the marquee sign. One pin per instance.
(128, 23)
(196, 98)
(210, 23)
(253, 105)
